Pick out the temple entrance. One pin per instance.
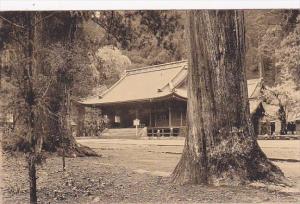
(163, 114)
(127, 118)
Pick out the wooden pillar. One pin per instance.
(150, 119)
(181, 119)
(170, 117)
(155, 116)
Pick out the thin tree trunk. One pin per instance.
(65, 123)
(282, 118)
(32, 177)
(64, 129)
(220, 146)
(30, 100)
(62, 143)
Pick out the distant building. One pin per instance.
(155, 97)
(270, 122)
(294, 122)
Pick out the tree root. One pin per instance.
(78, 151)
(230, 168)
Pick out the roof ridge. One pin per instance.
(152, 67)
(176, 75)
(259, 84)
(113, 86)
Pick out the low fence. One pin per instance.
(278, 137)
(165, 131)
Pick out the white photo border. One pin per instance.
(17, 5)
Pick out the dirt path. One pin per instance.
(128, 172)
(90, 180)
(155, 156)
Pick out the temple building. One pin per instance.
(155, 98)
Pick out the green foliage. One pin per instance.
(288, 64)
(94, 123)
(257, 22)
(71, 66)
(265, 29)
(108, 64)
(288, 56)
(270, 42)
(149, 37)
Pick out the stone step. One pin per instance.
(121, 130)
(119, 137)
(119, 133)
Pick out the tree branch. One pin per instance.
(46, 90)
(23, 27)
(12, 23)
(50, 15)
(274, 94)
(106, 30)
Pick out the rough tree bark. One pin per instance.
(220, 146)
(59, 137)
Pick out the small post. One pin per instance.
(136, 123)
(136, 130)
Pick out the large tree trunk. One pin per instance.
(59, 137)
(220, 146)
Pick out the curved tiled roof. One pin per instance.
(141, 84)
(154, 83)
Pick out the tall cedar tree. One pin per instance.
(68, 33)
(220, 146)
(29, 95)
(30, 34)
(66, 30)
(26, 88)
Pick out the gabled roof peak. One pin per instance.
(170, 65)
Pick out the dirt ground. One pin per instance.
(135, 171)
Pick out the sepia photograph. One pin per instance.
(150, 106)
